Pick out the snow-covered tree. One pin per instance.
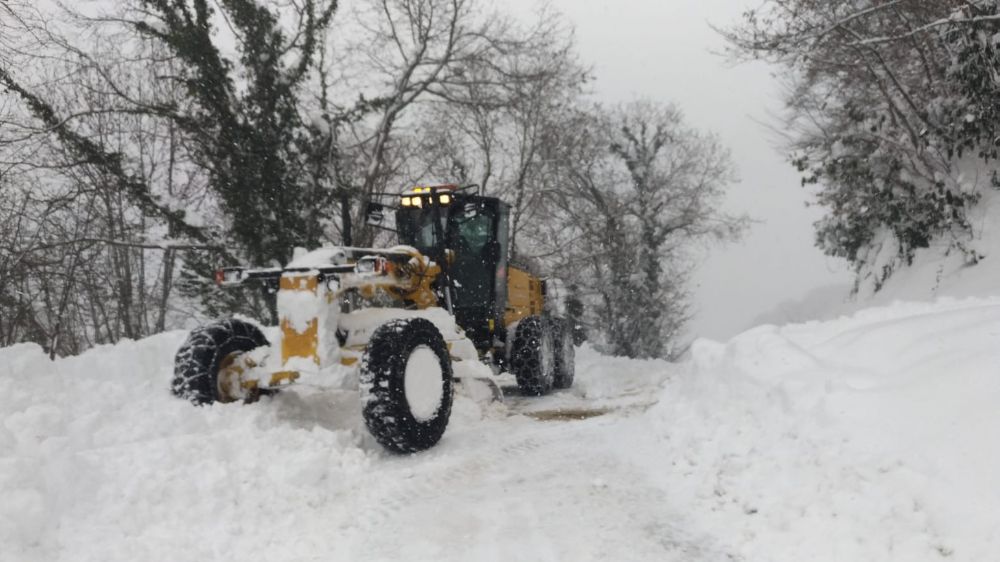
(880, 118)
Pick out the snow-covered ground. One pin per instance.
(871, 437)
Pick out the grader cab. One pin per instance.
(402, 324)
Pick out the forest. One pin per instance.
(145, 143)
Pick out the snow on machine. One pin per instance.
(405, 322)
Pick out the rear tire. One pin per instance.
(406, 385)
(532, 356)
(565, 354)
(197, 363)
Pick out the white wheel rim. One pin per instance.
(422, 383)
(228, 386)
(548, 358)
(567, 350)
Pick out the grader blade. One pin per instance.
(479, 389)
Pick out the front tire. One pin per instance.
(532, 356)
(406, 385)
(203, 354)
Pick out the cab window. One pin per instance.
(416, 228)
(473, 234)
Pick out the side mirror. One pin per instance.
(375, 214)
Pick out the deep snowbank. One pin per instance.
(871, 437)
(99, 462)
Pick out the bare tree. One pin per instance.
(92, 180)
(493, 130)
(435, 57)
(640, 188)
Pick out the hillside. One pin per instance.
(936, 272)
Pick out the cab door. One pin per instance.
(477, 234)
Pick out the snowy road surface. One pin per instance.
(865, 438)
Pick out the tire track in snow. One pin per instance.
(436, 474)
(530, 488)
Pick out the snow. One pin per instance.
(865, 437)
(303, 259)
(301, 307)
(361, 324)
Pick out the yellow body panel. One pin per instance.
(299, 283)
(283, 377)
(421, 292)
(412, 281)
(232, 371)
(524, 295)
(293, 342)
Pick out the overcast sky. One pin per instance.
(663, 50)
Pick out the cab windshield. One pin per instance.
(416, 228)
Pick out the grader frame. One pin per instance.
(458, 306)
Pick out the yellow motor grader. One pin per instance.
(404, 322)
